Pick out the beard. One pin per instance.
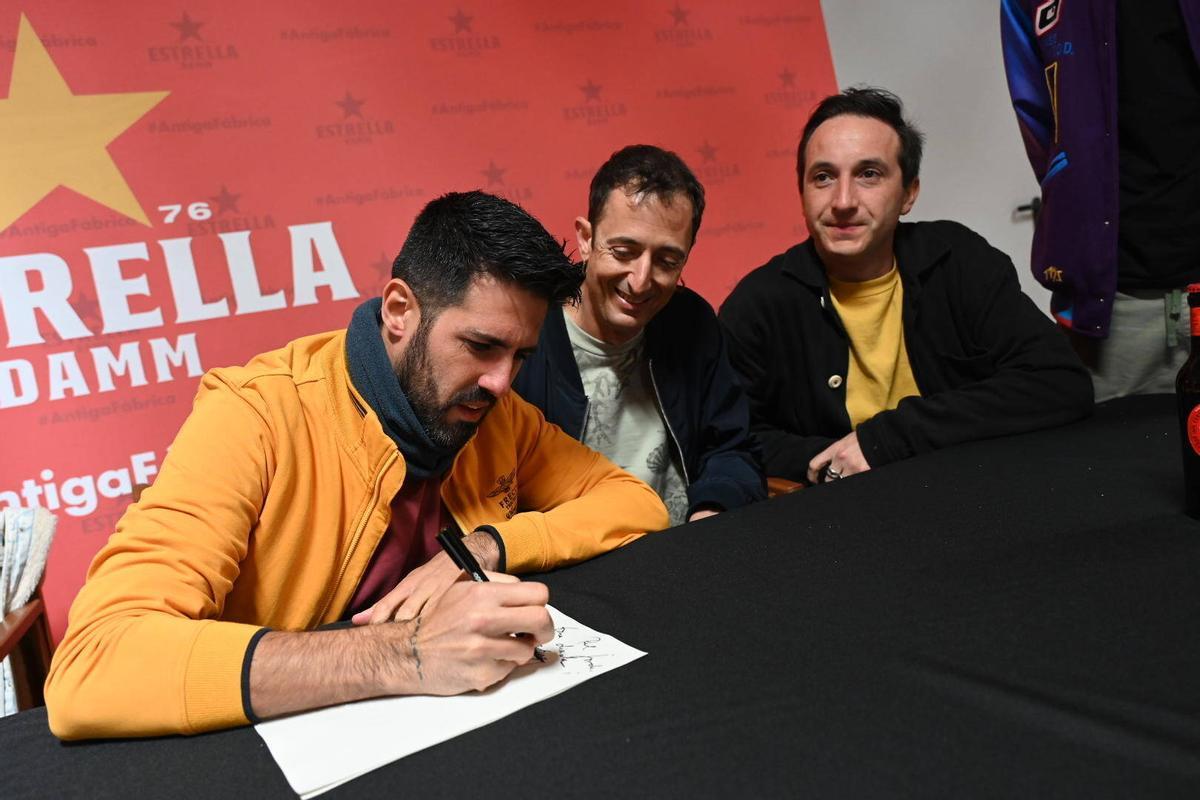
(415, 374)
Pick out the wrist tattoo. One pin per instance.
(416, 653)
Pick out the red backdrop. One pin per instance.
(182, 187)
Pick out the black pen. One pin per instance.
(460, 555)
(462, 558)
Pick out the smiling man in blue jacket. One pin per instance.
(638, 370)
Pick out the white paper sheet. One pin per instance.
(323, 749)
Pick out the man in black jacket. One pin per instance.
(875, 340)
(638, 370)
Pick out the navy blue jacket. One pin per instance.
(706, 410)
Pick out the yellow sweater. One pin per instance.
(266, 512)
(879, 376)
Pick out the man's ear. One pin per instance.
(910, 196)
(400, 313)
(583, 237)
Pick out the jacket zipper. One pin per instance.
(358, 531)
(666, 421)
(454, 514)
(587, 406)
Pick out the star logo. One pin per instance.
(462, 23)
(680, 14)
(350, 106)
(494, 174)
(188, 28)
(50, 137)
(788, 78)
(591, 91)
(707, 151)
(226, 201)
(89, 311)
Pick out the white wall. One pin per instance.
(943, 58)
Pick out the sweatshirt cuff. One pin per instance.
(495, 534)
(250, 648)
(526, 547)
(212, 685)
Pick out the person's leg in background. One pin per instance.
(1148, 342)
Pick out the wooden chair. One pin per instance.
(778, 486)
(25, 636)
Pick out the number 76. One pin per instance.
(197, 211)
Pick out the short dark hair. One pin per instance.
(464, 234)
(646, 169)
(868, 101)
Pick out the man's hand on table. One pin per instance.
(464, 640)
(461, 641)
(428, 581)
(841, 459)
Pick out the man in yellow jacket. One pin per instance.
(308, 487)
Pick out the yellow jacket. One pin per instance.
(266, 512)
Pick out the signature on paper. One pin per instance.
(577, 649)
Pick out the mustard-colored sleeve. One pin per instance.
(144, 653)
(575, 503)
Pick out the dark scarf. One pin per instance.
(372, 374)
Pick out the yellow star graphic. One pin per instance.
(50, 137)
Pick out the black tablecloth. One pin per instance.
(1009, 618)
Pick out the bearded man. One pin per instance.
(308, 488)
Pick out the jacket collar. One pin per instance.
(557, 343)
(914, 256)
(556, 338)
(356, 425)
